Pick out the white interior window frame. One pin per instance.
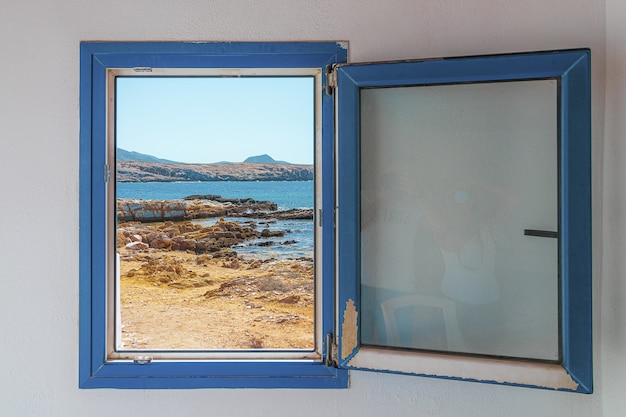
(113, 284)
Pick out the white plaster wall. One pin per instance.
(612, 283)
(39, 78)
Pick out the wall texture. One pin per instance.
(610, 285)
(39, 79)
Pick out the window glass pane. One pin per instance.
(214, 213)
(459, 218)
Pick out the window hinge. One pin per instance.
(107, 173)
(331, 79)
(331, 351)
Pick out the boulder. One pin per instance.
(137, 246)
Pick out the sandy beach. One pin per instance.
(177, 293)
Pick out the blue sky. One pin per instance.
(211, 119)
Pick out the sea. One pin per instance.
(286, 194)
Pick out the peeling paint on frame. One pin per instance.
(342, 44)
(532, 374)
(349, 329)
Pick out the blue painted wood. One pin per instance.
(94, 370)
(98, 225)
(85, 216)
(572, 69)
(226, 374)
(576, 268)
(328, 217)
(348, 192)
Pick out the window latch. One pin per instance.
(142, 360)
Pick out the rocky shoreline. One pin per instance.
(217, 239)
(202, 207)
(166, 225)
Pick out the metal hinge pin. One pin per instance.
(331, 79)
(331, 351)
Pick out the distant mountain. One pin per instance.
(124, 155)
(264, 159)
(141, 171)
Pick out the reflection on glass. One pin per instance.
(214, 213)
(451, 177)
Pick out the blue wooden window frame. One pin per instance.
(572, 70)
(95, 371)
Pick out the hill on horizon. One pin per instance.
(124, 155)
(264, 159)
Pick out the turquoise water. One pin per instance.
(298, 241)
(286, 194)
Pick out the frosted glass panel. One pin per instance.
(459, 218)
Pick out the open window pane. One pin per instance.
(464, 221)
(459, 218)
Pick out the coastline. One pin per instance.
(286, 194)
(202, 207)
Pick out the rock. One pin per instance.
(162, 241)
(184, 244)
(272, 233)
(218, 239)
(232, 263)
(292, 214)
(292, 299)
(203, 259)
(137, 246)
(189, 208)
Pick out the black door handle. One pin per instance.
(540, 233)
